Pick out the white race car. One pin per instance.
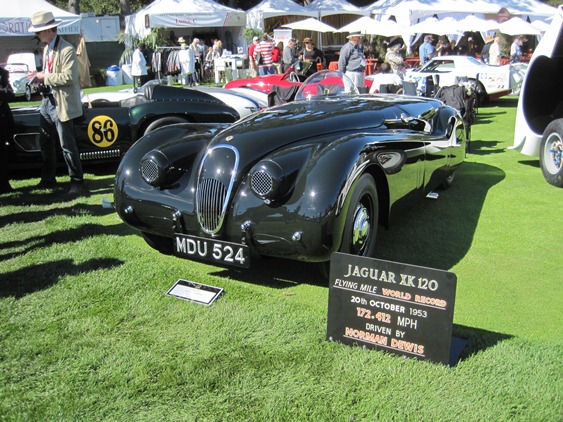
(244, 100)
(539, 118)
(489, 82)
(19, 65)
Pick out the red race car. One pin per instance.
(291, 77)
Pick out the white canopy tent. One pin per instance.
(183, 14)
(334, 7)
(517, 26)
(410, 12)
(267, 9)
(369, 26)
(336, 13)
(310, 24)
(15, 19)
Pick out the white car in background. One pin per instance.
(19, 65)
(488, 82)
(539, 117)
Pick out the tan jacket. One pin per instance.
(64, 79)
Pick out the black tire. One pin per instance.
(481, 96)
(448, 183)
(28, 94)
(164, 121)
(551, 153)
(364, 210)
(160, 243)
(360, 229)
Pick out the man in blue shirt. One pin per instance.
(426, 50)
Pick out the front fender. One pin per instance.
(309, 224)
(131, 191)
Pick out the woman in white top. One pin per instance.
(186, 58)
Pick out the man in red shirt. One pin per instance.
(251, 56)
(264, 49)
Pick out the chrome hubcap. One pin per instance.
(361, 229)
(554, 153)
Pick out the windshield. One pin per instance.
(446, 64)
(326, 83)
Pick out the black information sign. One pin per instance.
(400, 308)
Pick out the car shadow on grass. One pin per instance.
(277, 273)
(429, 233)
(532, 163)
(485, 147)
(24, 246)
(49, 199)
(438, 233)
(38, 277)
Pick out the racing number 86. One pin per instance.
(102, 131)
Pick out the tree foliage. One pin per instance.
(103, 7)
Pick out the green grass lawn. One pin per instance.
(88, 333)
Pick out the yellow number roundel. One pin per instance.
(102, 131)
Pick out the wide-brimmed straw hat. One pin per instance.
(354, 34)
(395, 41)
(181, 40)
(41, 21)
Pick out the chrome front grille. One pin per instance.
(211, 197)
(215, 183)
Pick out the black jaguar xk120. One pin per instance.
(299, 181)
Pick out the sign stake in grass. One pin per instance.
(195, 292)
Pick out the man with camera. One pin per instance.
(61, 102)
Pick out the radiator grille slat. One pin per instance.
(215, 183)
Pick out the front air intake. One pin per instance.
(214, 186)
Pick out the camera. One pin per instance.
(43, 89)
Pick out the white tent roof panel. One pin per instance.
(183, 14)
(408, 12)
(15, 18)
(273, 8)
(334, 7)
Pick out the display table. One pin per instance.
(371, 66)
(233, 63)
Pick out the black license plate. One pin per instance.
(225, 253)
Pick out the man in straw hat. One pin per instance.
(351, 61)
(61, 102)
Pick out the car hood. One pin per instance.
(306, 121)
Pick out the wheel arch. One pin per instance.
(382, 187)
(173, 117)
